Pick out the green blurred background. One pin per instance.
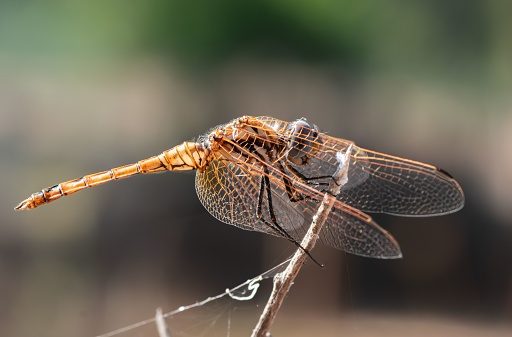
(89, 85)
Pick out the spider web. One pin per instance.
(213, 316)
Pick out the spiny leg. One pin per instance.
(293, 194)
(296, 196)
(265, 186)
(259, 212)
(307, 180)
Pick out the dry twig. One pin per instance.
(283, 281)
(163, 329)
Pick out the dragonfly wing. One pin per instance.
(355, 232)
(232, 195)
(346, 228)
(403, 187)
(383, 183)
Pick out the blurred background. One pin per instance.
(90, 85)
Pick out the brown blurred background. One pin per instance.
(86, 86)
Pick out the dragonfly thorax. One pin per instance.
(246, 141)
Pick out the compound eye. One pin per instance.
(302, 139)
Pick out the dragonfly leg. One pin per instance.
(307, 180)
(265, 186)
(294, 195)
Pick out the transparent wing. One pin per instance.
(403, 187)
(378, 182)
(232, 195)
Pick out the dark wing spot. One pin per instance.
(445, 173)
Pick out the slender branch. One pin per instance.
(162, 328)
(283, 281)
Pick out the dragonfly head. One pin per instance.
(302, 141)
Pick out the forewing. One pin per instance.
(403, 187)
(383, 183)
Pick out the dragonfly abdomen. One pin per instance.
(184, 157)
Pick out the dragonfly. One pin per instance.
(267, 175)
